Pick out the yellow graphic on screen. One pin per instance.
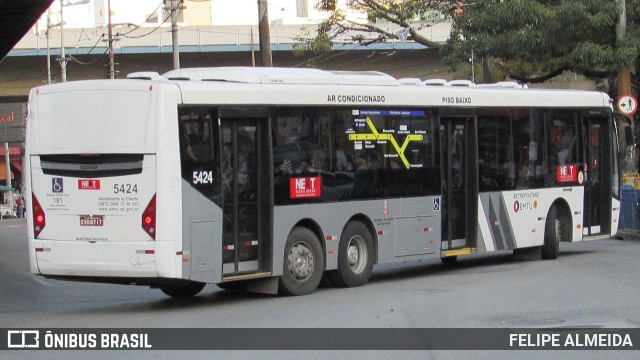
(374, 135)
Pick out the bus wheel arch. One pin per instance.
(317, 230)
(303, 264)
(557, 229)
(356, 254)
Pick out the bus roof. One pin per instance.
(297, 86)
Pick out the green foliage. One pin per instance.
(385, 19)
(527, 40)
(542, 38)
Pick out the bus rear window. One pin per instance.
(91, 121)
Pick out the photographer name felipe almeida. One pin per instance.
(570, 340)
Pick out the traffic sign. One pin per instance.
(628, 104)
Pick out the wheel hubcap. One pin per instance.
(357, 254)
(300, 262)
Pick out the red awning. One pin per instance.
(13, 150)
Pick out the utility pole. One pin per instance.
(174, 6)
(624, 87)
(112, 64)
(48, 48)
(253, 53)
(62, 59)
(624, 75)
(263, 30)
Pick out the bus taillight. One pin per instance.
(149, 218)
(39, 218)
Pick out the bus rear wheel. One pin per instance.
(355, 256)
(183, 290)
(303, 263)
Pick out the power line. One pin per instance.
(145, 20)
(147, 34)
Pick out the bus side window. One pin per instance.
(562, 135)
(496, 163)
(198, 152)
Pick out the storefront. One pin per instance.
(12, 116)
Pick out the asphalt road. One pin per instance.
(592, 284)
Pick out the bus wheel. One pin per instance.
(303, 263)
(188, 289)
(553, 232)
(355, 256)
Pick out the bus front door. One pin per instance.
(596, 198)
(243, 227)
(457, 193)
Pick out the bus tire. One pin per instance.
(553, 229)
(184, 290)
(303, 263)
(355, 256)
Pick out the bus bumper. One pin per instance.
(74, 258)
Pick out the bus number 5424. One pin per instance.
(125, 188)
(203, 177)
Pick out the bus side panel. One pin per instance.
(516, 219)
(331, 219)
(201, 229)
(404, 228)
(418, 230)
(169, 204)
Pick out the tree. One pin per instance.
(385, 20)
(533, 41)
(526, 40)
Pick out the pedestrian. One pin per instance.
(18, 208)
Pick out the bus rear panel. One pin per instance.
(92, 165)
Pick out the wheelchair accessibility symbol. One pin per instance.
(436, 204)
(57, 185)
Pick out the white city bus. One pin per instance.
(272, 178)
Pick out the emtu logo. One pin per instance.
(20, 339)
(524, 206)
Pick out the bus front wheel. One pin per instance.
(303, 263)
(553, 232)
(355, 256)
(183, 290)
